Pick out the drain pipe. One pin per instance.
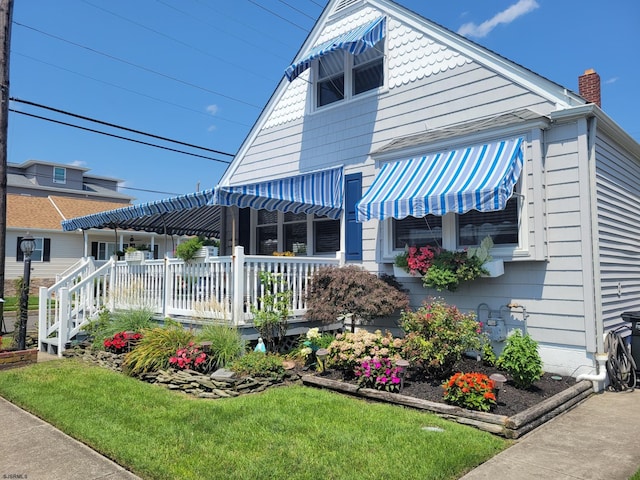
(599, 378)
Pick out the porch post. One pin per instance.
(42, 316)
(112, 284)
(64, 311)
(237, 292)
(166, 287)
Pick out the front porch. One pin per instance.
(203, 290)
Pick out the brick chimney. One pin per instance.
(589, 86)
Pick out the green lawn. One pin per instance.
(11, 303)
(291, 432)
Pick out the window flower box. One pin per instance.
(400, 272)
(495, 268)
(138, 256)
(207, 251)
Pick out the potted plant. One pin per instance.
(133, 255)
(210, 247)
(189, 249)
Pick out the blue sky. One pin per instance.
(200, 71)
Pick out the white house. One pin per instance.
(389, 129)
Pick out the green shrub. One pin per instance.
(351, 291)
(438, 335)
(154, 349)
(187, 250)
(108, 324)
(226, 344)
(348, 350)
(258, 364)
(521, 360)
(488, 355)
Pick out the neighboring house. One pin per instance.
(391, 130)
(40, 195)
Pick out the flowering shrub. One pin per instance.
(379, 373)
(437, 335)
(348, 350)
(121, 342)
(470, 390)
(313, 341)
(190, 357)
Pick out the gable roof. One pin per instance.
(404, 27)
(47, 213)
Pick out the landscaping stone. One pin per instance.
(221, 384)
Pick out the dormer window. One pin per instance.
(346, 66)
(342, 75)
(59, 175)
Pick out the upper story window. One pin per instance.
(341, 75)
(59, 175)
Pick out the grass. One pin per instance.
(291, 432)
(11, 303)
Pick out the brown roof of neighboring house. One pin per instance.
(25, 211)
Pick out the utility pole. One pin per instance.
(6, 15)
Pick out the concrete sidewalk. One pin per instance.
(598, 439)
(33, 449)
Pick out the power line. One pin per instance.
(306, 30)
(297, 10)
(49, 177)
(180, 42)
(117, 136)
(126, 62)
(139, 132)
(161, 100)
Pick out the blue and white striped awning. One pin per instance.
(355, 42)
(317, 192)
(174, 215)
(480, 177)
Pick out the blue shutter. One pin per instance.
(353, 229)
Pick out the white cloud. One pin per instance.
(212, 128)
(505, 17)
(611, 80)
(78, 163)
(212, 109)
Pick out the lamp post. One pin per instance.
(27, 245)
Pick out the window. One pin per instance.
(59, 175)
(417, 232)
(267, 232)
(105, 250)
(501, 226)
(295, 233)
(342, 75)
(299, 233)
(326, 235)
(41, 252)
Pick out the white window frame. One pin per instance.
(64, 175)
(348, 80)
(524, 191)
(38, 251)
(106, 250)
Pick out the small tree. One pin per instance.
(351, 291)
(271, 316)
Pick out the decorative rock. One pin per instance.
(222, 374)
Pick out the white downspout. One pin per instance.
(601, 357)
(599, 378)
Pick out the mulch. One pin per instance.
(511, 400)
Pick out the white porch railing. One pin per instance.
(214, 288)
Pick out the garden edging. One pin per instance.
(509, 427)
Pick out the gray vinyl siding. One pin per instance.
(618, 203)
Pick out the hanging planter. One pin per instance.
(400, 272)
